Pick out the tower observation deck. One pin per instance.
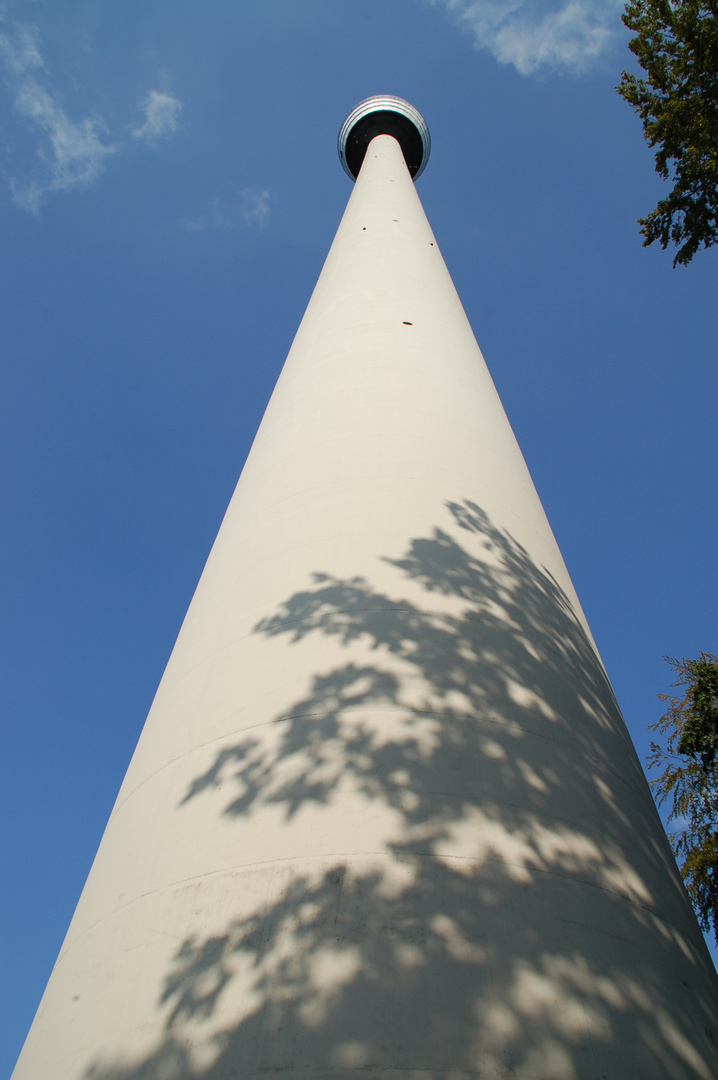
(384, 818)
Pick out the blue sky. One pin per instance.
(169, 188)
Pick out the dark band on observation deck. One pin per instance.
(384, 115)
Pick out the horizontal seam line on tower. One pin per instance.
(386, 855)
(421, 712)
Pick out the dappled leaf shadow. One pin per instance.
(521, 915)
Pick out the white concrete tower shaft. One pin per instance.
(384, 818)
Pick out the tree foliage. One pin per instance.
(690, 779)
(676, 44)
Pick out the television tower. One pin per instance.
(384, 818)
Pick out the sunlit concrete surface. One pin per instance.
(384, 817)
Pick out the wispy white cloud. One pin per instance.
(250, 207)
(533, 35)
(161, 116)
(21, 53)
(213, 217)
(254, 207)
(76, 152)
(70, 153)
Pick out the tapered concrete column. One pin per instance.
(384, 818)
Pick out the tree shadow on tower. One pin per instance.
(517, 912)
